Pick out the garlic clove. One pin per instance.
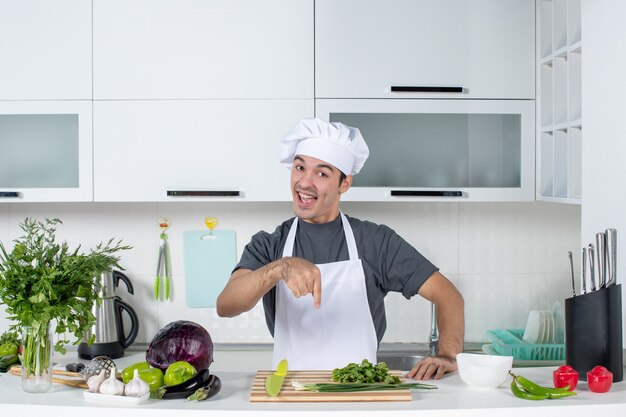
(95, 381)
(136, 387)
(112, 386)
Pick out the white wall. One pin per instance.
(604, 113)
(506, 258)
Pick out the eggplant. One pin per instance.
(184, 389)
(212, 387)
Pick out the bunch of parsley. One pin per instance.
(43, 282)
(366, 372)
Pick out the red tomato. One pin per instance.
(565, 375)
(599, 379)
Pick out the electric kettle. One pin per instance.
(110, 337)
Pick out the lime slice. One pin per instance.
(273, 384)
(281, 369)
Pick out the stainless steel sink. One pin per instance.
(403, 361)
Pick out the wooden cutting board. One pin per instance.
(289, 394)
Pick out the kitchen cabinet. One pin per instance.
(203, 49)
(559, 101)
(434, 150)
(46, 151)
(199, 150)
(45, 49)
(484, 47)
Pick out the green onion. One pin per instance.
(355, 387)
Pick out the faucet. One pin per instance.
(433, 337)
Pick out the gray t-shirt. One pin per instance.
(389, 262)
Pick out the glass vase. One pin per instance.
(37, 358)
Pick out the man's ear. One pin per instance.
(345, 184)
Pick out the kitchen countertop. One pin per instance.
(452, 398)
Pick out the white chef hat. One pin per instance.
(339, 145)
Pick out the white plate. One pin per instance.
(533, 327)
(559, 322)
(115, 399)
(544, 328)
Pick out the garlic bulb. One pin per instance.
(136, 387)
(95, 381)
(112, 386)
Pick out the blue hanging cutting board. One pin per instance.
(209, 261)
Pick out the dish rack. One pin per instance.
(508, 342)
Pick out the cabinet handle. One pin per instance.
(203, 193)
(9, 194)
(424, 89)
(410, 193)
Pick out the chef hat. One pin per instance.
(339, 145)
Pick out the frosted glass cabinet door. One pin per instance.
(45, 151)
(203, 49)
(45, 49)
(197, 150)
(363, 48)
(476, 150)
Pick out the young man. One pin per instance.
(347, 265)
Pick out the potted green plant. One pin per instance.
(49, 289)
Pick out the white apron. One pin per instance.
(341, 330)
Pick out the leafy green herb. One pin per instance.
(366, 372)
(42, 281)
(358, 387)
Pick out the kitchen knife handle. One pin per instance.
(425, 89)
(592, 271)
(9, 194)
(583, 279)
(611, 252)
(601, 259)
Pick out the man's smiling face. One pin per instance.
(316, 187)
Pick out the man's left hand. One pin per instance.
(432, 367)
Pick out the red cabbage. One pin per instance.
(181, 341)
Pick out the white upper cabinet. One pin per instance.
(441, 150)
(365, 48)
(192, 150)
(45, 151)
(195, 49)
(45, 49)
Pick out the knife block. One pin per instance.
(593, 331)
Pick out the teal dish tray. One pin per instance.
(510, 343)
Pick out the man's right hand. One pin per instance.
(246, 287)
(301, 277)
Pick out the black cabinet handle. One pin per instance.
(424, 89)
(203, 193)
(410, 193)
(9, 194)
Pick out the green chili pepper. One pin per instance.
(527, 389)
(519, 393)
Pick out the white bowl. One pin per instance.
(483, 371)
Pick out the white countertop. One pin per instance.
(452, 398)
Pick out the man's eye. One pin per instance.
(323, 175)
(298, 167)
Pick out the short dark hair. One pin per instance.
(342, 177)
